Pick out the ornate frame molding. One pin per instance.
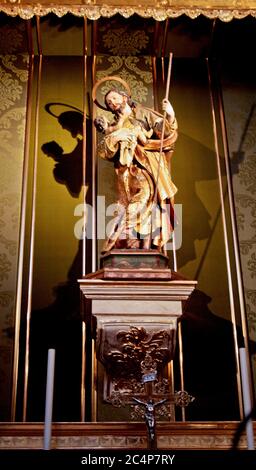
(225, 10)
(178, 436)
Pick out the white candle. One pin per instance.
(49, 399)
(246, 398)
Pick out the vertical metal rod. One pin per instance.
(94, 382)
(22, 233)
(30, 37)
(211, 42)
(156, 39)
(162, 132)
(163, 71)
(165, 37)
(94, 365)
(227, 254)
(235, 234)
(170, 374)
(154, 70)
(84, 190)
(32, 230)
(183, 411)
(174, 254)
(171, 202)
(83, 372)
(38, 36)
(94, 182)
(94, 162)
(156, 106)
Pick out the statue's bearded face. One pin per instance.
(115, 101)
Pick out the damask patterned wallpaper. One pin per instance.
(13, 88)
(240, 107)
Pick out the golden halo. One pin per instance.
(105, 79)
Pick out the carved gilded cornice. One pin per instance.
(189, 435)
(225, 10)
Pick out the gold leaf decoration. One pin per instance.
(160, 13)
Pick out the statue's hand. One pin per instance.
(167, 107)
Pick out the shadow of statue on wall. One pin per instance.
(197, 221)
(68, 167)
(209, 361)
(59, 325)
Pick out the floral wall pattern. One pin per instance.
(239, 101)
(13, 88)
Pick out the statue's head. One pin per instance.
(150, 405)
(101, 123)
(115, 100)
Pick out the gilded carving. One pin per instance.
(135, 346)
(199, 437)
(161, 13)
(182, 398)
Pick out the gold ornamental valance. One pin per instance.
(225, 10)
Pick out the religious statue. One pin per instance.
(126, 136)
(144, 216)
(150, 416)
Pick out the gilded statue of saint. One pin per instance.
(144, 216)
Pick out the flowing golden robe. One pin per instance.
(137, 217)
